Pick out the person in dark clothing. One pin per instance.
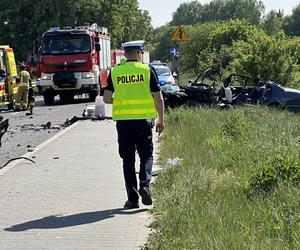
(134, 91)
(31, 99)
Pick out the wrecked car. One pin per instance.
(243, 89)
(200, 91)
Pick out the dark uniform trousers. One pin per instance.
(135, 135)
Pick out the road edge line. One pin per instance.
(38, 148)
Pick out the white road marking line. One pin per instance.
(37, 148)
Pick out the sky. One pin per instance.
(161, 10)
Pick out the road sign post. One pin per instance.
(179, 36)
(174, 58)
(178, 63)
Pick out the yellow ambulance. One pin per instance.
(8, 75)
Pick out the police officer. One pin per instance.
(133, 89)
(23, 87)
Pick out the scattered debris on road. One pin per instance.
(47, 125)
(16, 158)
(82, 118)
(41, 127)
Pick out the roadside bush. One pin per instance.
(282, 212)
(273, 58)
(197, 48)
(235, 125)
(271, 173)
(235, 46)
(209, 41)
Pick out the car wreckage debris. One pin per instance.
(41, 127)
(236, 90)
(16, 158)
(82, 118)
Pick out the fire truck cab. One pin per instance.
(8, 75)
(74, 61)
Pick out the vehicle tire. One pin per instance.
(102, 91)
(166, 98)
(10, 106)
(48, 98)
(92, 95)
(66, 97)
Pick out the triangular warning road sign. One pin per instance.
(179, 35)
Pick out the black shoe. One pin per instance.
(129, 204)
(146, 195)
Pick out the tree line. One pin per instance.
(21, 22)
(230, 35)
(251, 10)
(234, 36)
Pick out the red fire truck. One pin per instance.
(74, 61)
(31, 62)
(117, 56)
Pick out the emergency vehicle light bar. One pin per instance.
(94, 27)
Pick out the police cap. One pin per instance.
(133, 45)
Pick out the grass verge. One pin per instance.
(237, 184)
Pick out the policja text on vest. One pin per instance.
(138, 78)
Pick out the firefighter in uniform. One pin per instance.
(133, 89)
(23, 87)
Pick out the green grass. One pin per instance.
(237, 185)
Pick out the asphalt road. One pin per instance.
(27, 131)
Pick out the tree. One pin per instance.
(194, 51)
(273, 22)
(292, 22)
(218, 10)
(273, 58)
(187, 13)
(126, 21)
(24, 21)
(162, 42)
(236, 46)
(209, 44)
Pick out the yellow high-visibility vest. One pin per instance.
(25, 76)
(132, 95)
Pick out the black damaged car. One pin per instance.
(200, 91)
(242, 89)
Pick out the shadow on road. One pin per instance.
(52, 221)
(40, 103)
